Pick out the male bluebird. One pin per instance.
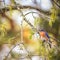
(45, 37)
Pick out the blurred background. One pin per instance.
(19, 20)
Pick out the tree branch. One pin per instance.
(56, 3)
(24, 7)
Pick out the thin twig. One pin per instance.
(56, 3)
(40, 15)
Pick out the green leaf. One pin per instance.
(13, 1)
(10, 10)
(53, 16)
(50, 23)
(36, 21)
(31, 34)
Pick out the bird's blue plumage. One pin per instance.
(47, 35)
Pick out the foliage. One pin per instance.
(34, 46)
(53, 16)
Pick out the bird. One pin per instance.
(45, 37)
